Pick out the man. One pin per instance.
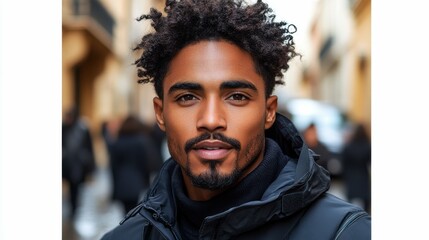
(78, 161)
(238, 169)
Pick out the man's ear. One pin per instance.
(157, 106)
(271, 110)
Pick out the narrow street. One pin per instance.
(96, 214)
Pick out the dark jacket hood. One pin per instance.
(299, 183)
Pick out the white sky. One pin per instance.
(300, 13)
(297, 12)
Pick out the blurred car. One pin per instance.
(330, 122)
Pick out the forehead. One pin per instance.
(212, 62)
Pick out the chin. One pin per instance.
(212, 179)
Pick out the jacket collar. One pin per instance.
(298, 185)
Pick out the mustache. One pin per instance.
(218, 136)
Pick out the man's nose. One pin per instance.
(211, 116)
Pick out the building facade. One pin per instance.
(98, 73)
(339, 72)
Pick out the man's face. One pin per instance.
(214, 112)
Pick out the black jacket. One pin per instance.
(130, 157)
(78, 160)
(295, 206)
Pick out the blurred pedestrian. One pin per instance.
(107, 135)
(159, 138)
(356, 159)
(78, 160)
(312, 139)
(130, 157)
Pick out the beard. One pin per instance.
(212, 179)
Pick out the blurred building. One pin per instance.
(339, 71)
(361, 50)
(98, 75)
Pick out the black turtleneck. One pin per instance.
(191, 214)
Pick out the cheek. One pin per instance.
(248, 122)
(249, 129)
(254, 146)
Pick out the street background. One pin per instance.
(99, 79)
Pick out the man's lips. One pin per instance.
(212, 149)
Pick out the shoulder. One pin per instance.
(131, 227)
(332, 206)
(356, 225)
(334, 218)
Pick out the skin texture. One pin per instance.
(214, 112)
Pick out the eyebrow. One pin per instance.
(237, 84)
(234, 84)
(185, 86)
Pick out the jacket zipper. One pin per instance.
(157, 217)
(353, 218)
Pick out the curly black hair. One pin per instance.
(251, 27)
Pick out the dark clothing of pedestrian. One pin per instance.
(78, 160)
(107, 136)
(283, 198)
(356, 159)
(311, 137)
(157, 135)
(129, 156)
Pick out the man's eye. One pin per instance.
(187, 97)
(238, 97)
